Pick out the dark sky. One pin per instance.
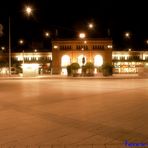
(72, 16)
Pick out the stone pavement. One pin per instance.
(73, 113)
(114, 76)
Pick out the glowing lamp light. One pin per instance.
(3, 48)
(127, 35)
(109, 46)
(28, 10)
(90, 25)
(85, 42)
(55, 46)
(47, 34)
(21, 41)
(82, 35)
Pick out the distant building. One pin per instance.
(129, 61)
(65, 52)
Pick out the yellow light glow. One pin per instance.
(127, 35)
(98, 60)
(90, 25)
(129, 49)
(47, 34)
(28, 10)
(109, 46)
(21, 41)
(19, 58)
(55, 46)
(3, 48)
(82, 35)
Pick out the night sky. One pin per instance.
(111, 19)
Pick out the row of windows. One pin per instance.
(65, 47)
(98, 47)
(129, 58)
(80, 47)
(34, 59)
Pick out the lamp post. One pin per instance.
(28, 11)
(90, 25)
(9, 47)
(47, 34)
(21, 42)
(127, 36)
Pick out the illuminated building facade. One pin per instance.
(39, 60)
(65, 52)
(129, 61)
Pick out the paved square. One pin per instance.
(73, 113)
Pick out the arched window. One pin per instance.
(65, 61)
(98, 60)
(81, 60)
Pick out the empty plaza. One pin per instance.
(73, 113)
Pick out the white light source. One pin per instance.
(3, 48)
(55, 46)
(65, 61)
(129, 49)
(98, 60)
(30, 70)
(21, 41)
(127, 35)
(109, 46)
(30, 66)
(28, 10)
(90, 25)
(82, 35)
(47, 34)
(85, 42)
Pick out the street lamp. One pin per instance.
(47, 34)
(9, 47)
(21, 42)
(127, 35)
(90, 25)
(82, 35)
(3, 48)
(28, 11)
(147, 42)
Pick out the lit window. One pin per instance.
(65, 61)
(98, 60)
(81, 60)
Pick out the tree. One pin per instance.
(73, 69)
(107, 69)
(89, 69)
